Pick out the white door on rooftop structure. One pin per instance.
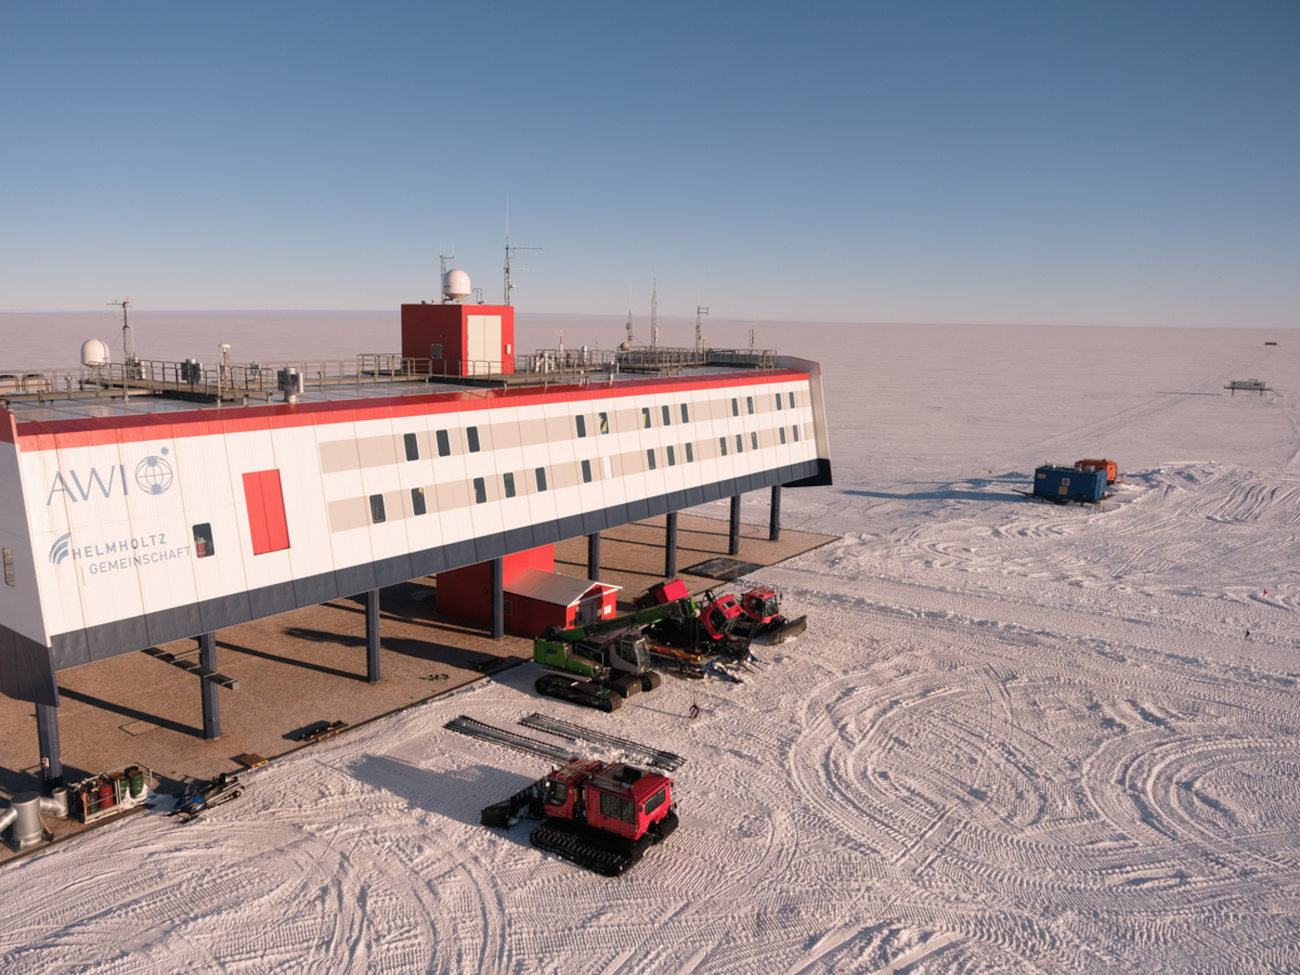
(484, 342)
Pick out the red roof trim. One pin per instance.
(136, 427)
(8, 427)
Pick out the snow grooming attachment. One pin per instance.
(566, 729)
(510, 739)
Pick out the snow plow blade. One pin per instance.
(786, 630)
(527, 800)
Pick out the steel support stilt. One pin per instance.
(670, 546)
(774, 516)
(498, 627)
(47, 734)
(372, 636)
(733, 539)
(211, 707)
(593, 556)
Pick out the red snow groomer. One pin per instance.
(762, 607)
(601, 815)
(726, 624)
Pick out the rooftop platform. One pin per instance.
(159, 387)
(308, 666)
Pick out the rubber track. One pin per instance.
(533, 746)
(610, 863)
(656, 757)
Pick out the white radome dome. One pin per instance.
(94, 352)
(456, 284)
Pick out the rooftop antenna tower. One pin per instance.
(700, 310)
(442, 274)
(654, 312)
(510, 249)
(128, 345)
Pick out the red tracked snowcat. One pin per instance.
(726, 625)
(762, 608)
(601, 815)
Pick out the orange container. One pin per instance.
(1097, 465)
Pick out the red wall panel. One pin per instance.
(267, 527)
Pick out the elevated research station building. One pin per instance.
(146, 502)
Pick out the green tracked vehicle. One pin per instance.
(604, 662)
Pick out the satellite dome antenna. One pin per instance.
(455, 286)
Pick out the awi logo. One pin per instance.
(61, 548)
(153, 475)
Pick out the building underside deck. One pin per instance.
(308, 666)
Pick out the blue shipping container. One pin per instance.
(1069, 484)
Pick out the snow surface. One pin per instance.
(1016, 737)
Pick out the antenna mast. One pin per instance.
(699, 330)
(654, 312)
(510, 249)
(442, 275)
(128, 345)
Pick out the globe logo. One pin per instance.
(153, 475)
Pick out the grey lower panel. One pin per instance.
(26, 669)
(124, 636)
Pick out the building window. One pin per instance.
(444, 444)
(749, 403)
(735, 406)
(480, 490)
(412, 447)
(203, 547)
(722, 445)
(9, 568)
(790, 398)
(417, 501)
(580, 422)
(686, 414)
(672, 459)
(781, 431)
(586, 472)
(471, 437)
(376, 508)
(650, 458)
(690, 453)
(508, 480)
(795, 431)
(541, 478)
(740, 444)
(604, 422)
(753, 439)
(645, 418)
(778, 401)
(668, 417)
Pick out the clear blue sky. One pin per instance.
(1028, 162)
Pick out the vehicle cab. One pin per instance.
(628, 801)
